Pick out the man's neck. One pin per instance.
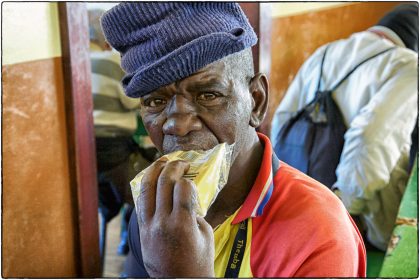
(242, 176)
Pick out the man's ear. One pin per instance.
(259, 93)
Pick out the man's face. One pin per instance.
(198, 112)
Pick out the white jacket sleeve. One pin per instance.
(376, 137)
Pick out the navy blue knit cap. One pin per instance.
(404, 21)
(162, 42)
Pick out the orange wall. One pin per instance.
(296, 37)
(38, 223)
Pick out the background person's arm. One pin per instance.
(376, 136)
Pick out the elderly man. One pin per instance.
(191, 66)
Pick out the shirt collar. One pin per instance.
(262, 189)
(391, 35)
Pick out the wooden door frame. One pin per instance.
(259, 16)
(80, 135)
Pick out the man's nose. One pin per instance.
(181, 117)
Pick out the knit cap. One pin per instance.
(162, 42)
(404, 21)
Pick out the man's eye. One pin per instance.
(207, 96)
(154, 102)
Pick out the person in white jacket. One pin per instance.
(379, 106)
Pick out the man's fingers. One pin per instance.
(205, 228)
(147, 199)
(171, 173)
(185, 198)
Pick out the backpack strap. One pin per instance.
(357, 66)
(320, 71)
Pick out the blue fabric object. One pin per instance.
(314, 145)
(163, 42)
(134, 265)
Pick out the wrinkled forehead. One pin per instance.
(216, 76)
(226, 71)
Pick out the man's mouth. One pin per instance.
(175, 143)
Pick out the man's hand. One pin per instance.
(175, 242)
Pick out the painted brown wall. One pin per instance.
(295, 38)
(38, 222)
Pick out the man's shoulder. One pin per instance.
(296, 192)
(295, 182)
(303, 207)
(302, 220)
(365, 44)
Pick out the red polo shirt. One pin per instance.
(296, 228)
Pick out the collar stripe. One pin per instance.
(256, 211)
(262, 189)
(265, 200)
